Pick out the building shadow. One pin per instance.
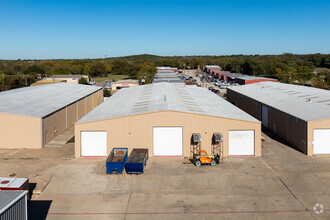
(38, 209)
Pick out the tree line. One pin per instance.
(311, 69)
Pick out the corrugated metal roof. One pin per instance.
(40, 101)
(168, 79)
(165, 97)
(212, 66)
(134, 81)
(246, 77)
(9, 196)
(303, 102)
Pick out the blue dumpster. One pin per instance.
(116, 160)
(136, 161)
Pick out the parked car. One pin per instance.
(217, 91)
(211, 87)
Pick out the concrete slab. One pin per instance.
(282, 184)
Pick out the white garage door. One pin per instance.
(167, 141)
(93, 143)
(241, 142)
(321, 141)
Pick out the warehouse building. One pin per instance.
(169, 76)
(245, 79)
(126, 83)
(68, 78)
(31, 117)
(299, 115)
(13, 205)
(163, 118)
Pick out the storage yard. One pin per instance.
(168, 151)
(282, 184)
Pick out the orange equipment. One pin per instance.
(203, 158)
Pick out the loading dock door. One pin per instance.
(241, 142)
(167, 141)
(93, 143)
(264, 116)
(321, 141)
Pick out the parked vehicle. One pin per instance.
(203, 158)
(211, 87)
(136, 161)
(217, 91)
(116, 160)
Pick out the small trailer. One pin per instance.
(136, 161)
(116, 160)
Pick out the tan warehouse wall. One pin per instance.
(58, 122)
(72, 114)
(19, 131)
(317, 124)
(289, 128)
(54, 125)
(137, 131)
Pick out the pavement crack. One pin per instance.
(286, 186)
(129, 199)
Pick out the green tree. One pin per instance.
(106, 93)
(147, 71)
(82, 80)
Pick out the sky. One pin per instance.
(75, 29)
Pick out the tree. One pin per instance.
(82, 80)
(106, 93)
(147, 71)
(34, 69)
(99, 69)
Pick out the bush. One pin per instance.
(106, 93)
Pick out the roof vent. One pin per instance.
(308, 100)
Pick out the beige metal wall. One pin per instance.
(58, 122)
(19, 131)
(289, 128)
(54, 125)
(137, 131)
(72, 114)
(317, 124)
(89, 103)
(81, 108)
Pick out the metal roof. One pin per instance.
(165, 97)
(133, 81)
(303, 102)
(168, 79)
(212, 66)
(169, 73)
(9, 197)
(67, 76)
(40, 101)
(246, 77)
(8, 182)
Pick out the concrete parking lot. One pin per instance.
(282, 184)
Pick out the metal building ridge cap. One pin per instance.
(166, 110)
(23, 193)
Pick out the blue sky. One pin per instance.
(38, 29)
